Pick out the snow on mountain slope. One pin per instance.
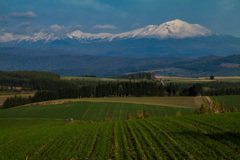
(80, 35)
(175, 29)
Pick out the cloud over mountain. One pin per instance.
(107, 26)
(29, 14)
(23, 24)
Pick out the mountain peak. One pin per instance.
(176, 21)
(176, 29)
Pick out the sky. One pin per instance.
(25, 17)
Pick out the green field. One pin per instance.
(229, 101)
(95, 111)
(187, 137)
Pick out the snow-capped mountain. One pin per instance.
(173, 38)
(175, 29)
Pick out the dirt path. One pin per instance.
(209, 101)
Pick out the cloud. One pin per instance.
(23, 15)
(24, 24)
(107, 26)
(227, 4)
(6, 37)
(56, 27)
(62, 29)
(79, 26)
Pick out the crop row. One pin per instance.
(187, 137)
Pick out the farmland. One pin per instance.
(187, 137)
(95, 111)
(229, 100)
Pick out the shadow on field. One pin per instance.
(229, 139)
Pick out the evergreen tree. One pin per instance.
(212, 77)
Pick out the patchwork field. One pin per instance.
(229, 101)
(95, 111)
(187, 137)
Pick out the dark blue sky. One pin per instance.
(115, 16)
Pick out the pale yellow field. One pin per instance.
(199, 79)
(223, 78)
(182, 102)
(91, 78)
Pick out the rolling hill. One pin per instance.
(71, 64)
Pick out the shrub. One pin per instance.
(178, 114)
(233, 109)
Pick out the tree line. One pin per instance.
(139, 75)
(50, 90)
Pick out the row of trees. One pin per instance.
(66, 89)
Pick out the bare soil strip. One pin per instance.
(112, 153)
(94, 145)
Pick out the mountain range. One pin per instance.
(174, 48)
(173, 38)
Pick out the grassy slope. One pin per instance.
(187, 137)
(229, 101)
(95, 111)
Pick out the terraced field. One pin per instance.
(95, 111)
(229, 101)
(187, 137)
